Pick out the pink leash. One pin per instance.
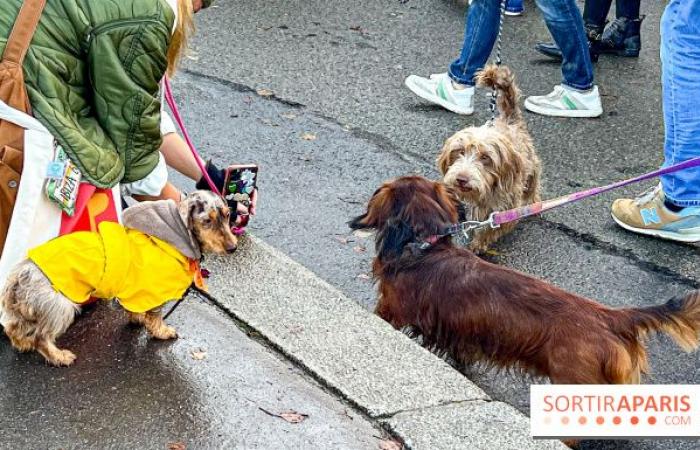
(170, 100)
(181, 124)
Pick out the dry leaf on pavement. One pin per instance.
(390, 444)
(176, 446)
(264, 92)
(289, 416)
(293, 416)
(308, 136)
(362, 234)
(342, 239)
(199, 354)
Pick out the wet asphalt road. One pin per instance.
(206, 390)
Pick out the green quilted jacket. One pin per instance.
(92, 74)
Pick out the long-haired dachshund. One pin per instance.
(480, 312)
(146, 263)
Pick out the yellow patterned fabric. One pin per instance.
(141, 271)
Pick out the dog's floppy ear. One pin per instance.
(393, 238)
(360, 222)
(376, 212)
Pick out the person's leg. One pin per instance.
(480, 35)
(577, 96)
(627, 8)
(594, 14)
(622, 36)
(596, 11)
(680, 75)
(672, 209)
(454, 90)
(564, 21)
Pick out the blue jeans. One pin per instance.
(564, 22)
(680, 74)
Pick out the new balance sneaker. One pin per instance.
(566, 102)
(647, 214)
(438, 89)
(514, 8)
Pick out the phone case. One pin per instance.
(240, 183)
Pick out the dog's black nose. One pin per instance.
(462, 181)
(231, 248)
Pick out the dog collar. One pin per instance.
(465, 228)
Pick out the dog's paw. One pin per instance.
(62, 358)
(164, 332)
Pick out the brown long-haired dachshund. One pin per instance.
(480, 312)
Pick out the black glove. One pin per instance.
(218, 176)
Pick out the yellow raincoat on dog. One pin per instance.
(141, 271)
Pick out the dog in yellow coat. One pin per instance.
(152, 259)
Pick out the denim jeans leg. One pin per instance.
(480, 35)
(596, 11)
(680, 75)
(565, 24)
(627, 8)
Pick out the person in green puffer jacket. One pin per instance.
(93, 74)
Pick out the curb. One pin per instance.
(385, 374)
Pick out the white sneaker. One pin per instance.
(438, 89)
(566, 102)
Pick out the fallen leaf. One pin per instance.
(293, 416)
(296, 329)
(264, 92)
(362, 234)
(308, 136)
(390, 444)
(199, 354)
(289, 416)
(176, 446)
(359, 249)
(288, 115)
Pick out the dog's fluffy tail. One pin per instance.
(502, 79)
(678, 317)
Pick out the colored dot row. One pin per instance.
(600, 420)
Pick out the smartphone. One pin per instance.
(241, 181)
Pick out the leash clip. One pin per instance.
(468, 227)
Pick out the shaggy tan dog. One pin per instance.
(493, 167)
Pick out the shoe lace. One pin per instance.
(648, 195)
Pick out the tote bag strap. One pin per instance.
(23, 31)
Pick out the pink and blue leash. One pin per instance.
(498, 218)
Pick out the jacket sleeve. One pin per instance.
(126, 63)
